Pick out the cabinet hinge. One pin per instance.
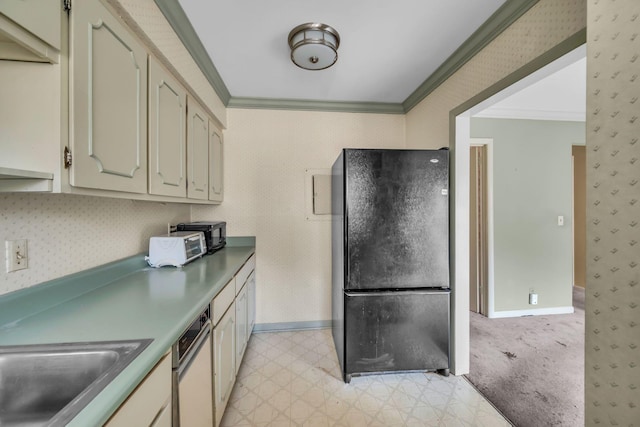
(67, 158)
(67, 5)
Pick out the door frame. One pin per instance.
(488, 293)
(567, 52)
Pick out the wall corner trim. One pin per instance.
(506, 15)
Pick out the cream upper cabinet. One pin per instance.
(108, 134)
(167, 133)
(216, 170)
(197, 151)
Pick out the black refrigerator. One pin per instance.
(390, 260)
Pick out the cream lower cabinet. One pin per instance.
(246, 278)
(150, 403)
(224, 361)
(167, 133)
(241, 325)
(108, 97)
(251, 303)
(231, 334)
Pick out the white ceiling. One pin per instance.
(387, 48)
(559, 96)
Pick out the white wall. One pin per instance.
(266, 155)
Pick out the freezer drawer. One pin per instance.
(396, 331)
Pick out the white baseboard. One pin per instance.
(531, 312)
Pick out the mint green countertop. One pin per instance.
(122, 300)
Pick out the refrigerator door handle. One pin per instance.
(345, 248)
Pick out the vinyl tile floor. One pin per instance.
(293, 379)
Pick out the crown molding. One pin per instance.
(311, 105)
(498, 22)
(178, 20)
(502, 18)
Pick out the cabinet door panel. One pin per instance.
(241, 325)
(224, 361)
(148, 401)
(167, 133)
(216, 167)
(109, 108)
(197, 152)
(251, 303)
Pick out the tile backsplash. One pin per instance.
(69, 233)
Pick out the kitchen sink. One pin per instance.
(50, 384)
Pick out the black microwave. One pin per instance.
(215, 233)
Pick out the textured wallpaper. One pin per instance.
(612, 357)
(68, 233)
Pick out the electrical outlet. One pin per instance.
(16, 254)
(533, 299)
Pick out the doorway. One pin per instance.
(460, 148)
(505, 354)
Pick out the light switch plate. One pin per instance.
(16, 254)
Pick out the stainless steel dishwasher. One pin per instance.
(192, 375)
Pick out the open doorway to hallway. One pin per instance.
(530, 367)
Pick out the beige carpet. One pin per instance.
(532, 368)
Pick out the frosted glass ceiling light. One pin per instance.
(314, 46)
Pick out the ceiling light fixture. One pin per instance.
(314, 46)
